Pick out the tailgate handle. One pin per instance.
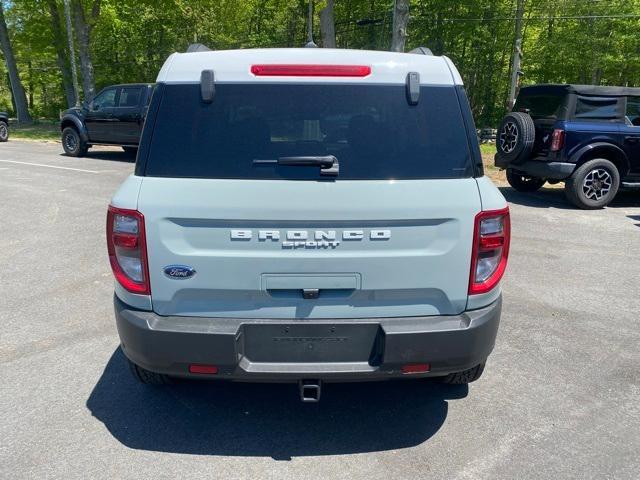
(310, 293)
(310, 283)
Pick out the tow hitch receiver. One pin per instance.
(310, 390)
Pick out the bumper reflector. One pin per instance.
(205, 369)
(416, 368)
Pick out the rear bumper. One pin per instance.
(290, 350)
(541, 168)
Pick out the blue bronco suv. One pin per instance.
(586, 136)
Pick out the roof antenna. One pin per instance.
(310, 42)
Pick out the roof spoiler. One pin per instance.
(197, 47)
(422, 51)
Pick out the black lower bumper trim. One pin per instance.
(292, 350)
(540, 168)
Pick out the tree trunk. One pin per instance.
(61, 53)
(327, 26)
(17, 90)
(400, 21)
(515, 65)
(83, 34)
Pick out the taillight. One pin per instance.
(127, 248)
(491, 237)
(557, 140)
(277, 70)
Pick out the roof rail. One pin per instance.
(422, 51)
(197, 47)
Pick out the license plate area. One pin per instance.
(312, 343)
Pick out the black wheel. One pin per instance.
(516, 136)
(593, 184)
(72, 143)
(145, 376)
(4, 131)
(466, 376)
(523, 182)
(131, 150)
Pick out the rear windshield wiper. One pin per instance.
(328, 164)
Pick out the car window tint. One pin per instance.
(106, 99)
(372, 131)
(539, 106)
(129, 97)
(633, 111)
(597, 108)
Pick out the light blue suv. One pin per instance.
(308, 215)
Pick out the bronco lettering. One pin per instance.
(324, 239)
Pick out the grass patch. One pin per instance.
(498, 177)
(487, 148)
(42, 130)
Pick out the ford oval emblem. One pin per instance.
(179, 271)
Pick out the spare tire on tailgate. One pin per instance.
(516, 136)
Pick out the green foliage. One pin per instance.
(579, 41)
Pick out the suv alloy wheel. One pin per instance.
(593, 185)
(72, 143)
(523, 182)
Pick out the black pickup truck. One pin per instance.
(114, 117)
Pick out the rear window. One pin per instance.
(540, 106)
(371, 129)
(597, 108)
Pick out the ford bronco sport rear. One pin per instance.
(586, 136)
(324, 217)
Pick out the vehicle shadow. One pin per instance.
(241, 419)
(635, 218)
(109, 155)
(554, 198)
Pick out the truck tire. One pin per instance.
(143, 375)
(593, 184)
(4, 131)
(72, 143)
(522, 182)
(516, 135)
(464, 377)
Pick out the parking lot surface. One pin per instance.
(560, 397)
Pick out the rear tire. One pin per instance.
(72, 143)
(593, 185)
(464, 377)
(522, 182)
(147, 377)
(515, 138)
(4, 131)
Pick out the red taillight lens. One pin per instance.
(490, 251)
(127, 248)
(557, 140)
(278, 70)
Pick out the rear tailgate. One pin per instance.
(401, 248)
(389, 236)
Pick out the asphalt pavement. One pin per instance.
(560, 397)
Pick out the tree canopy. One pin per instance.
(572, 41)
